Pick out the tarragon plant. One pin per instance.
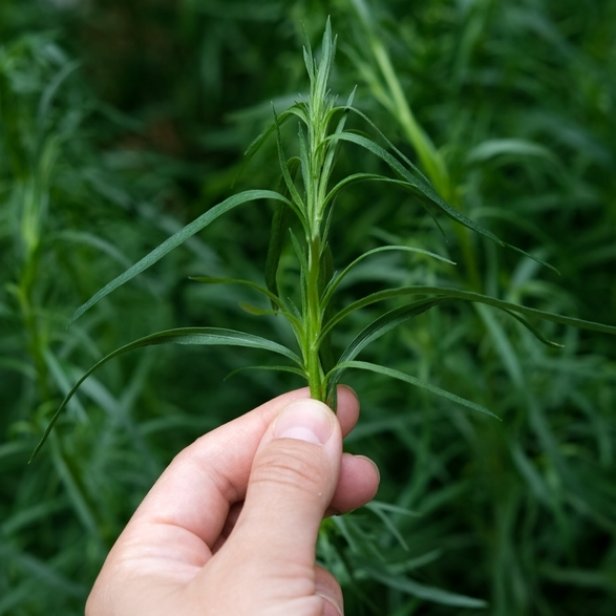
(309, 197)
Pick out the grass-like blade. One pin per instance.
(468, 296)
(277, 302)
(389, 525)
(283, 163)
(328, 50)
(330, 157)
(411, 380)
(494, 148)
(257, 143)
(274, 368)
(533, 330)
(89, 239)
(206, 336)
(385, 323)
(338, 278)
(427, 593)
(354, 178)
(392, 319)
(176, 240)
(418, 182)
(388, 89)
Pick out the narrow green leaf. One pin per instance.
(417, 182)
(45, 573)
(493, 148)
(276, 301)
(299, 250)
(390, 508)
(280, 224)
(304, 158)
(330, 158)
(411, 380)
(328, 50)
(89, 239)
(309, 62)
(388, 524)
(50, 91)
(335, 282)
(257, 311)
(404, 159)
(286, 176)
(74, 489)
(275, 368)
(534, 330)
(326, 269)
(468, 296)
(354, 178)
(427, 593)
(239, 282)
(176, 240)
(207, 336)
(326, 351)
(385, 323)
(258, 142)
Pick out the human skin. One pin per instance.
(231, 525)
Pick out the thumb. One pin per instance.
(294, 474)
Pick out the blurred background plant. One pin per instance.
(119, 122)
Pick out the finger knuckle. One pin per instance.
(299, 467)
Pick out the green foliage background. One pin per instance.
(119, 122)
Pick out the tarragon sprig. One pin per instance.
(309, 197)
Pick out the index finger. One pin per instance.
(193, 495)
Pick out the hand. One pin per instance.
(230, 527)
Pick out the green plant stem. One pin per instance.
(315, 199)
(430, 158)
(314, 322)
(32, 329)
(31, 199)
(312, 309)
